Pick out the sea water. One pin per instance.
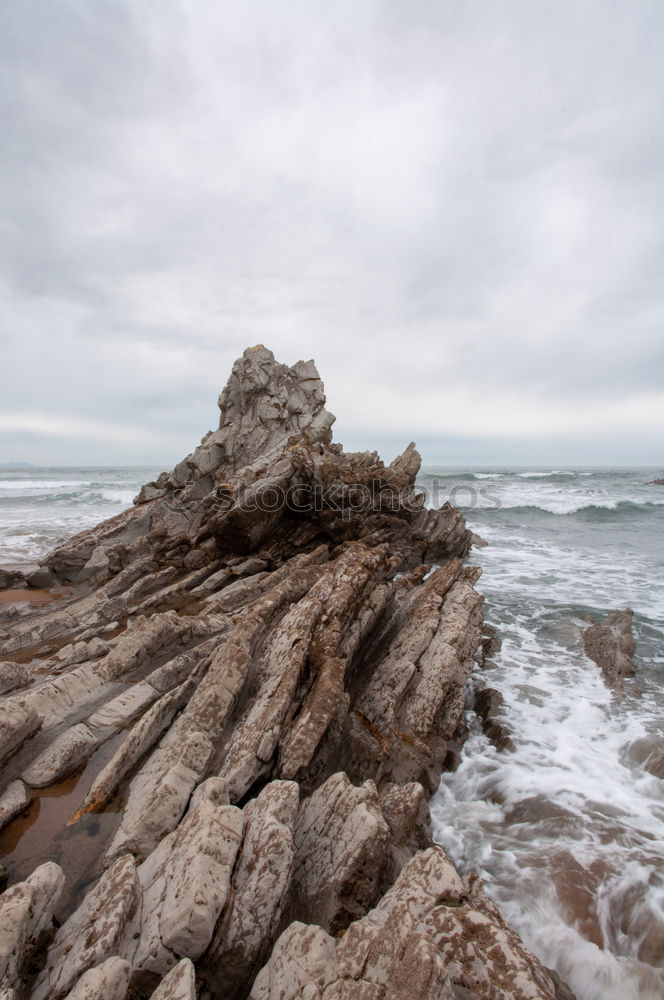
(40, 507)
(567, 829)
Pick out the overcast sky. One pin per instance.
(456, 208)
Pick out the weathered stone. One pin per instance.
(12, 675)
(108, 981)
(179, 984)
(341, 842)
(17, 723)
(13, 801)
(611, 645)
(201, 864)
(125, 707)
(157, 813)
(185, 884)
(489, 707)
(41, 578)
(259, 887)
(68, 752)
(93, 933)
(433, 935)
(140, 739)
(10, 578)
(490, 644)
(26, 919)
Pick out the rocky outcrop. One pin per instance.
(489, 707)
(432, 935)
(26, 922)
(108, 981)
(13, 801)
(257, 674)
(13, 675)
(611, 645)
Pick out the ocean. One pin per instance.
(41, 506)
(567, 828)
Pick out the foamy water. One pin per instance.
(39, 507)
(567, 830)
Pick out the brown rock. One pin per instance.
(611, 645)
(489, 706)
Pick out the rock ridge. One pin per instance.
(253, 680)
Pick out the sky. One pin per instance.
(455, 208)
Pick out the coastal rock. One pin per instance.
(12, 675)
(140, 739)
(260, 884)
(201, 864)
(433, 935)
(17, 723)
(13, 801)
(41, 578)
(489, 706)
(10, 579)
(26, 920)
(490, 644)
(93, 933)
(262, 665)
(108, 981)
(179, 984)
(158, 813)
(66, 754)
(611, 645)
(341, 842)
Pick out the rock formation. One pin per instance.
(611, 645)
(256, 674)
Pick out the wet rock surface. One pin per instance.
(610, 644)
(489, 708)
(252, 684)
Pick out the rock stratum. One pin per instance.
(232, 719)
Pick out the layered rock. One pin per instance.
(433, 935)
(610, 644)
(262, 668)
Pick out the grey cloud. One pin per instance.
(435, 200)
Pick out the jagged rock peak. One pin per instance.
(263, 404)
(262, 390)
(268, 473)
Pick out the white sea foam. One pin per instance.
(568, 830)
(40, 508)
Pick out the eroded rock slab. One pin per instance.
(433, 935)
(13, 801)
(12, 675)
(26, 921)
(108, 981)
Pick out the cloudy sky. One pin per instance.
(454, 207)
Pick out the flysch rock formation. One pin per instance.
(257, 673)
(610, 644)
